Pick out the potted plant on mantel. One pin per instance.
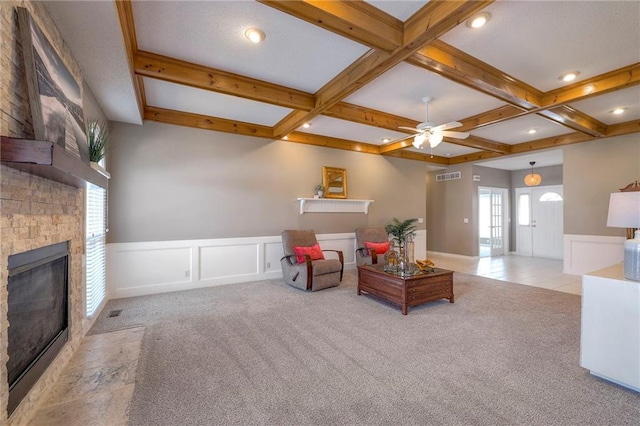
(319, 191)
(98, 133)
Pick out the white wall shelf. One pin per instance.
(333, 205)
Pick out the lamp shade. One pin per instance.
(435, 138)
(624, 210)
(532, 179)
(418, 140)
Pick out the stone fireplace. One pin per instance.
(35, 212)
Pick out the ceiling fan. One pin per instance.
(427, 131)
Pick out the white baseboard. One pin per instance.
(136, 269)
(586, 253)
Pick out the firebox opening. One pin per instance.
(38, 315)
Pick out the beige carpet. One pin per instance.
(267, 354)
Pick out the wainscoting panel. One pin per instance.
(151, 266)
(135, 269)
(587, 253)
(228, 261)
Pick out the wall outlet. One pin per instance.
(466, 220)
(268, 265)
(187, 274)
(420, 220)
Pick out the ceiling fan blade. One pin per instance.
(413, 129)
(455, 135)
(447, 126)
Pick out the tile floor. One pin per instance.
(96, 387)
(533, 271)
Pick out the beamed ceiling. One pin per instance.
(357, 71)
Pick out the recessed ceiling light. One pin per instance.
(570, 76)
(285, 138)
(618, 111)
(478, 20)
(306, 125)
(386, 140)
(532, 131)
(255, 35)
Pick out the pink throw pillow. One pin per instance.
(314, 251)
(380, 248)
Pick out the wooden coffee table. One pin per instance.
(405, 291)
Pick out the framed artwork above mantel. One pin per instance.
(55, 97)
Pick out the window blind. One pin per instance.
(96, 251)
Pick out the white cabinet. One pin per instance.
(610, 332)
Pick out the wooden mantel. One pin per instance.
(333, 205)
(48, 160)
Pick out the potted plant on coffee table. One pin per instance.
(402, 233)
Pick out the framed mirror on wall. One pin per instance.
(334, 181)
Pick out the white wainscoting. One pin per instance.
(587, 253)
(135, 269)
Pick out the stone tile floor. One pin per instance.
(96, 388)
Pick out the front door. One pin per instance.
(540, 222)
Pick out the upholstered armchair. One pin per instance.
(367, 239)
(304, 265)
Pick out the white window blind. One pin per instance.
(96, 253)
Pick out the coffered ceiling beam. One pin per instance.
(620, 129)
(481, 143)
(152, 65)
(396, 146)
(329, 142)
(358, 21)
(369, 117)
(608, 82)
(411, 155)
(623, 128)
(430, 22)
(489, 117)
(458, 66)
(453, 64)
(575, 120)
(125, 16)
(198, 121)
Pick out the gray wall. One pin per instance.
(448, 203)
(172, 183)
(592, 171)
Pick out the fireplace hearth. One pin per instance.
(38, 314)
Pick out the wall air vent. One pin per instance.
(448, 176)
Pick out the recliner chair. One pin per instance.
(308, 269)
(365, 255)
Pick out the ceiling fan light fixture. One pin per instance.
(532, 179)
(478, 20)
(418, 140)
(435, 138)
(255, 35)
